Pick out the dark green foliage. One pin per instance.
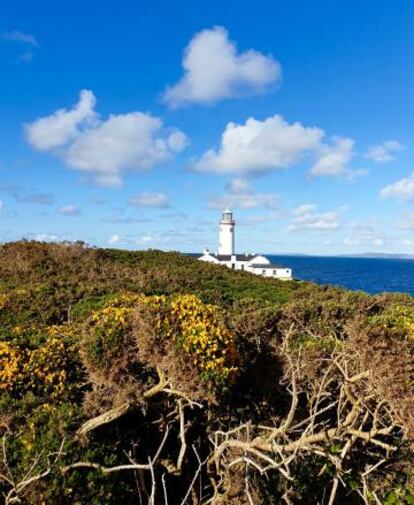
(53, 292)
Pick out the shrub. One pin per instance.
(51, 369)
(133, 335)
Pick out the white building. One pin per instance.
(253, 263)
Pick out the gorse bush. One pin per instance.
(132, 333)
(52, 369)
(150, 377)
(109, 329)
(201, 334)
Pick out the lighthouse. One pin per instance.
(226, 255)
(226, 235)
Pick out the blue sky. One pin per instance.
(131, 124)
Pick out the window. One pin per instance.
(233, 266)
(274, 272)
(263, 272)
(242, 267)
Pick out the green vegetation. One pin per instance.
(150, 377)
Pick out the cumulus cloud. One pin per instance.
(122, 142)
(334, 159)
(382, 153)
(158, 200)
(402, 189)
(240, 195)
(214, 70)
(104, 149)
(259, 146)
(63, 126)
(177, 141)
(114, 239)
(306, 217)
(69, 210)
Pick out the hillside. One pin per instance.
(150, 377)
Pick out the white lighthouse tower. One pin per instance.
(226, 236)
(253, 263)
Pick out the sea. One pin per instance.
(373, 275)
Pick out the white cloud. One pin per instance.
(402, 189)
(353, 242)
(104, 149)
(260, 146)
(63, 126)
(240, 195)
(257, 147)
(382, 153)
(1, 206)
(145, 239)
(114, 239)
(69, 210)
(238, 186)
(17, 36)
(47, 237)
(334, 158)
(214, 70)
(363, 234)
(158, 200)
(122, 142)
(177, 141)
(305, 217)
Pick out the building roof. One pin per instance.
(271, 266)
(239, 257)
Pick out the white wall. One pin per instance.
(277, 273)
(226, 238)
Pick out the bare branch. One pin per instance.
(101, 420)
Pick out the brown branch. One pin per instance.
(117, 412)
(182, 436)
(133, 466)
(101, 420)
(158, 387)
(106, 470)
